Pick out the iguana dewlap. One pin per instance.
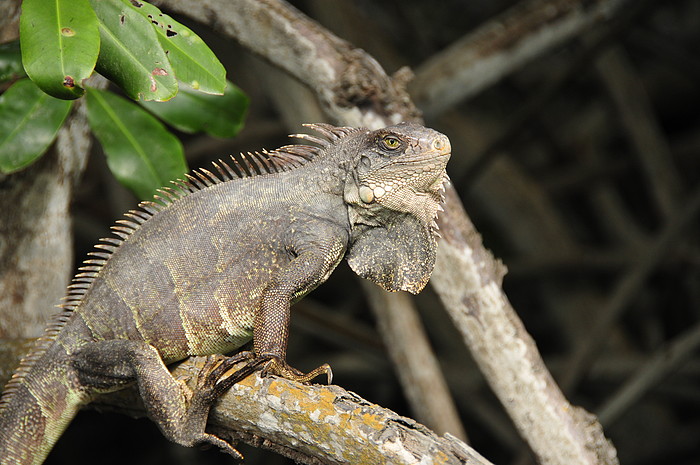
(216, 260)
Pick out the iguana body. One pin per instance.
(217, 260)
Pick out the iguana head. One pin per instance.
(393, 195)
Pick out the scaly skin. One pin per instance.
(219, 261)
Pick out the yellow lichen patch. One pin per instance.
(441, 457)
(371, 420)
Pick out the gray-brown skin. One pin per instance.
(218, 259)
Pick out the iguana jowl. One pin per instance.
(217, 259)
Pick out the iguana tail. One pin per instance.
(36, 407)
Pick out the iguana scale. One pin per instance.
(217, 259)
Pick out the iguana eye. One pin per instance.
(391, 142)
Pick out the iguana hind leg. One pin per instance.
(180, 412)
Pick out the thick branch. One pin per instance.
(313, 424)
(35, 232)
(468, 281)
(350, 84)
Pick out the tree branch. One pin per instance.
(35, 228)
(311, 424)
(350, 85)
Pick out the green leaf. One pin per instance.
(191, 111)
(141, 153)
(130, 54)
(60, 43)
(29, 121)
(10, 61)
(193, 61)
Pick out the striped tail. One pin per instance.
(36, 407)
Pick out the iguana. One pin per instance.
(217, 259)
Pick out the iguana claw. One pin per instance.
(276, 366)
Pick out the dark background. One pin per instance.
(572, 199)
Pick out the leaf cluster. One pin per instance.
(155, 60)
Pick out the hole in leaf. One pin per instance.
(122, 18)
(136, 3)
(68, 82)
(170, 33)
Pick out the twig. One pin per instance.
(626, 290)
(527, 112)
(661, 365)
(641, 127)
(500, 46)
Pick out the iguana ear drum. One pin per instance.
(398, 256)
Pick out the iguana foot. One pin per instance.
(210, 384)
(274, 365)
(213, 381)
(271, 365)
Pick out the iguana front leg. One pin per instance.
(310, 267)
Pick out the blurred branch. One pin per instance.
(661, 365)
(415, 363)
(9, 21)
(628, 288)
(500, 46)
(599, 39)
(35, 230)
(641, 127)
